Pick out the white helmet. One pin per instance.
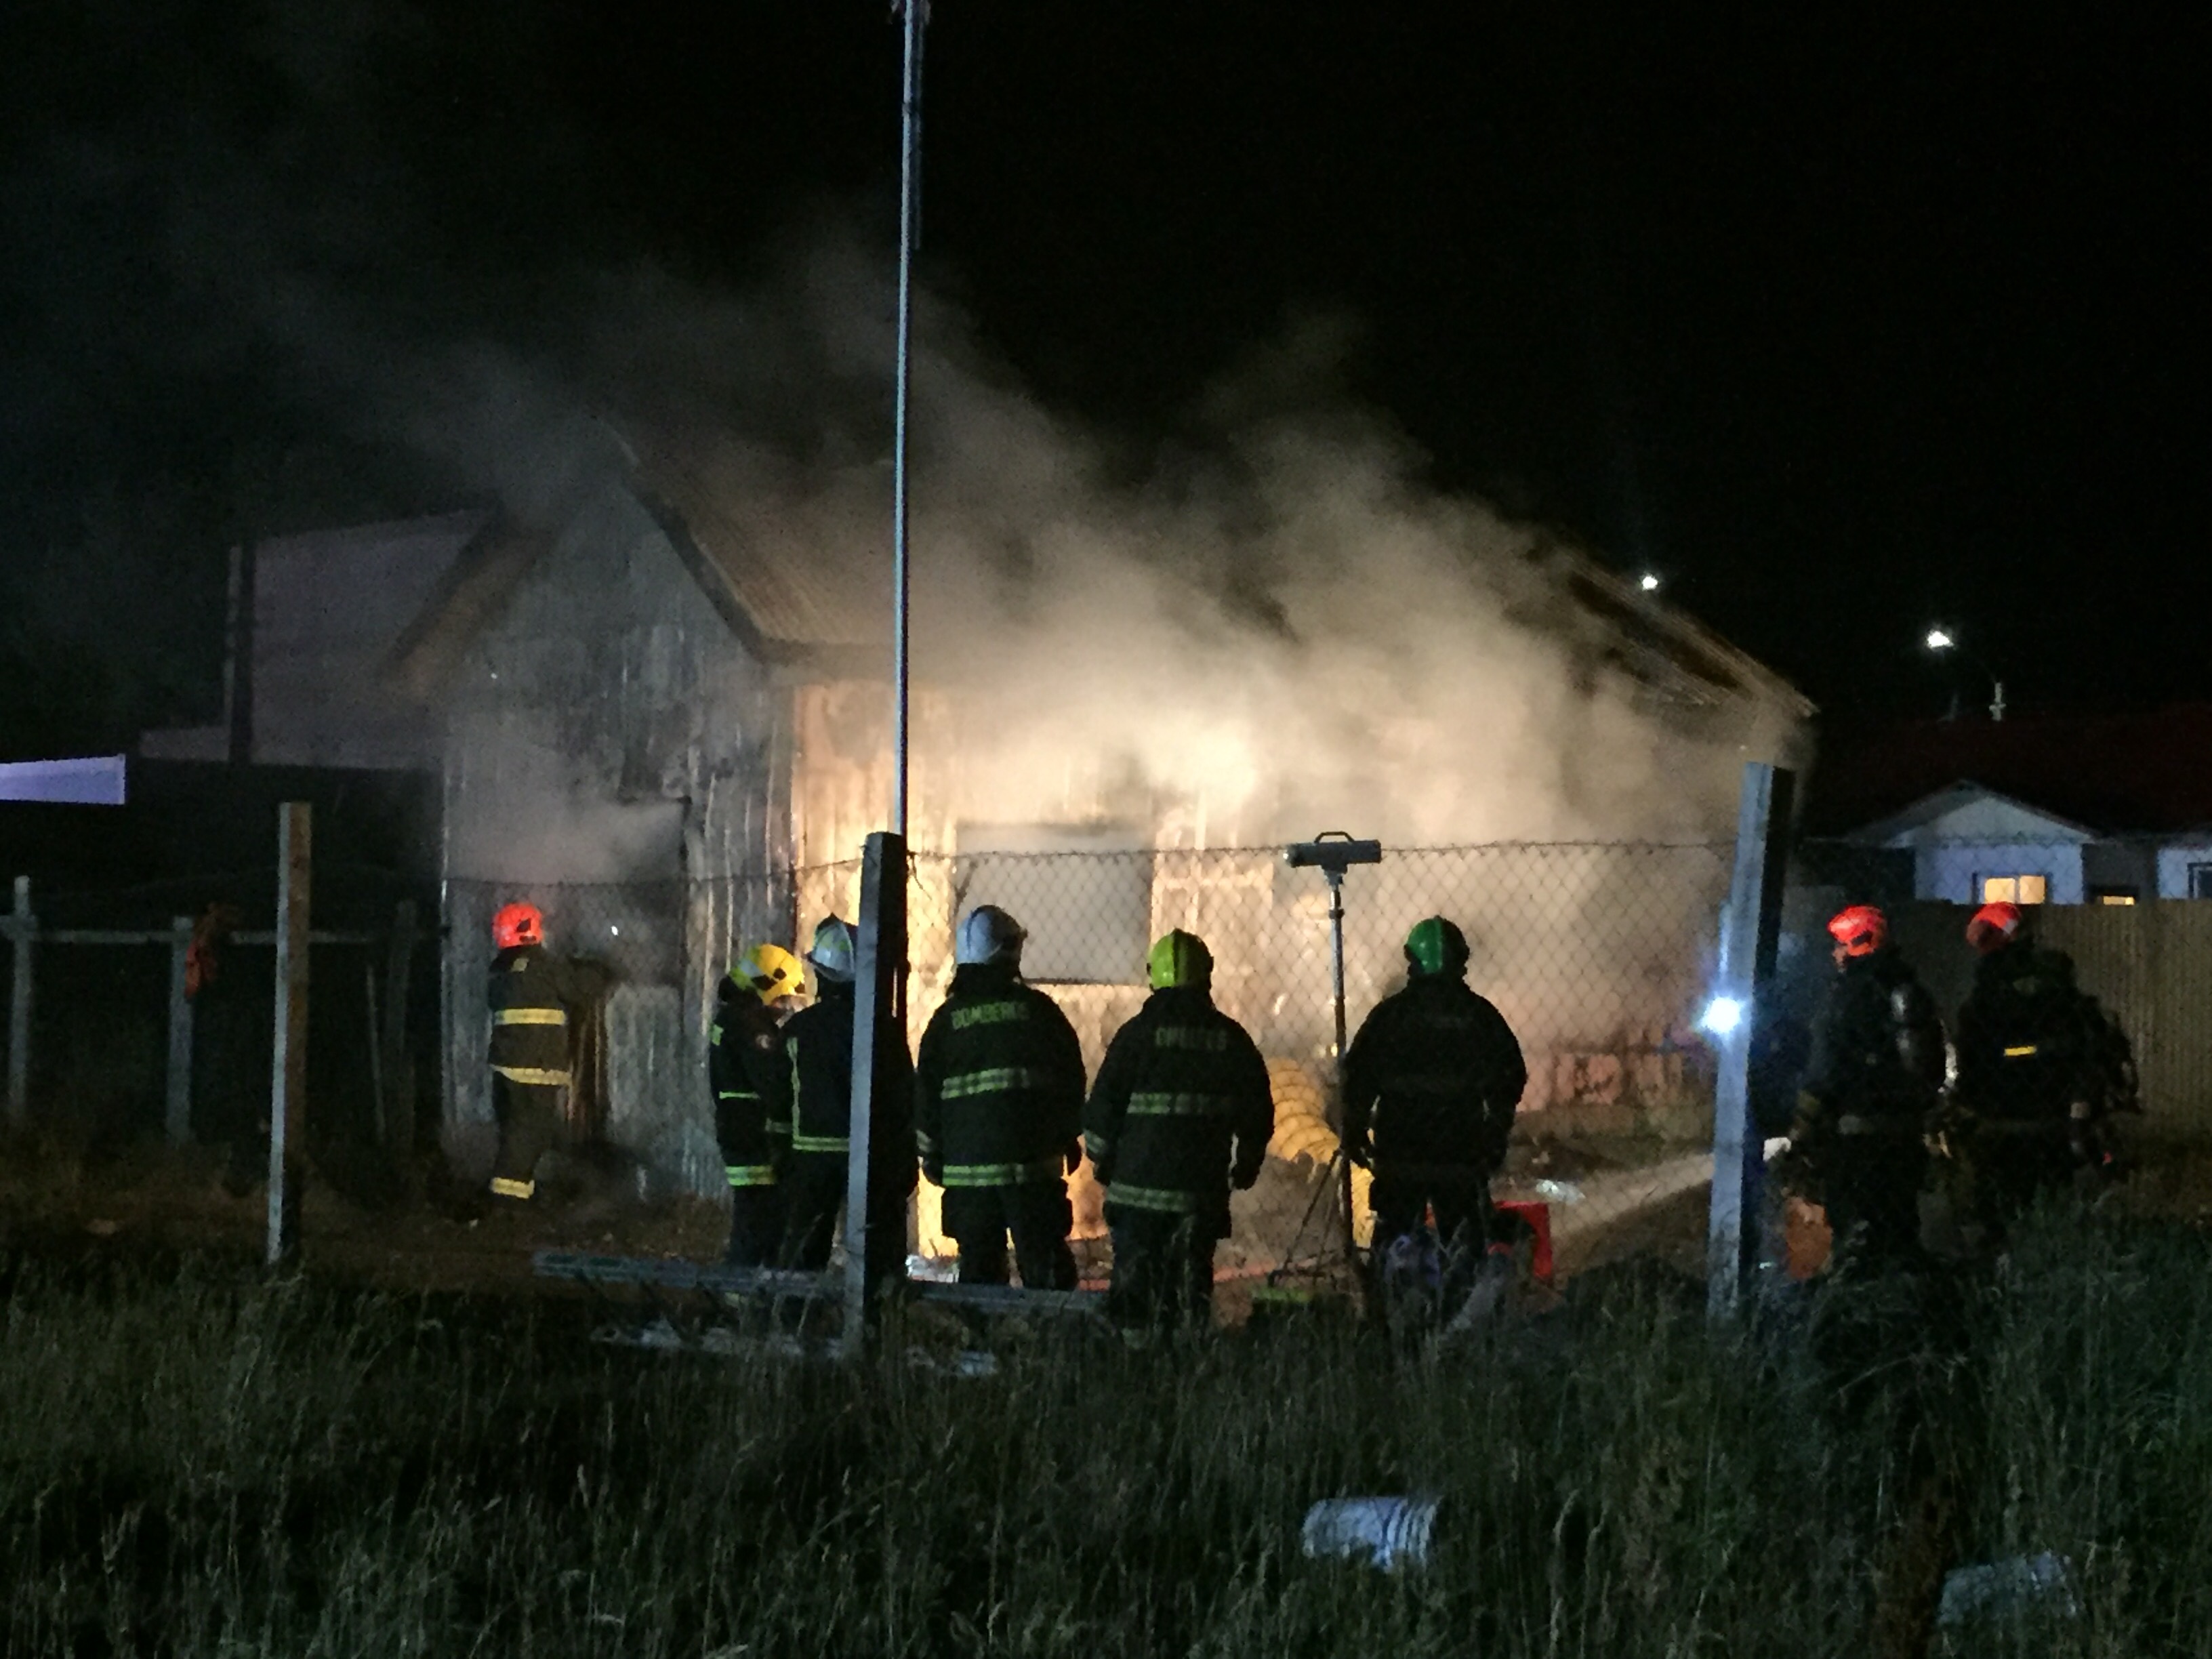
(831, 953)
(988, 934)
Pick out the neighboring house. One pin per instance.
(2113, 810)
(672, 747)
(1973, 846)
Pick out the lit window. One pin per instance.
(2015, 890)
(2200, 881)
(2113, 895)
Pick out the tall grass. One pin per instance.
(192, 1463)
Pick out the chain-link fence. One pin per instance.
(1598, 955)
(147, 1010)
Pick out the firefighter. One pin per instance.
(529, 992)
(819, 1040)
(750, 1077)
(2041, 1067)
(231, 1046)
(1431, 1083)
(1857, 1144)
(1181, 1113)
(998, 1111)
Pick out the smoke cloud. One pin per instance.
(1273, 628)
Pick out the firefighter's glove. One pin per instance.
(933, 1170)
(1072, 1155)
(1244, 1175)
(1361, 1152)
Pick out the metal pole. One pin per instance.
(1751, 931)
(22, 928)
(178, 1120)
(1343, 1117)
(879, 1021)
(289, 1067)
(917, 17)
(1336, 962)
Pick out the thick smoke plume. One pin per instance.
(1273, 627)
(1276, 628)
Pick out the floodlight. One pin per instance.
(1723, 1016)
(1331, 850)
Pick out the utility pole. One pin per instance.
(880, 956)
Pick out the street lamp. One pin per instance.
(1941, 641)
(1648, 581)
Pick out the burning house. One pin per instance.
(665, 719)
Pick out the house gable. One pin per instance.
(1968, 811)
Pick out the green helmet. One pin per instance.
(1179, 959)
(1436, 946)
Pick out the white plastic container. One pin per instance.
(2010, 1587)
(1392, 1532)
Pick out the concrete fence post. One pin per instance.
(289, 1067)
(1751, 933)
(177, 1119)
(22, 930)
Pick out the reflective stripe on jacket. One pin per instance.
(752, 1083)
(999, 1086)
(1180, 1107)
(819, 1040)
(525, 991)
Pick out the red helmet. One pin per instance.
(519, 923)
(1994, 926)
(1859, 930)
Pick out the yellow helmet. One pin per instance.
(771, 970)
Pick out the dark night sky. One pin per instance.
(1842, 322)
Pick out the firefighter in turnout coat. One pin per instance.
(1181, 1113)
(2041, 1067)
(1431, 1083)
(529, 992)
(819, 1040)
(998, 1111)
(1858, 1143)
(749, 1074)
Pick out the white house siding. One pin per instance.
(2173, 861)
(1951, 871)
(1955, 845)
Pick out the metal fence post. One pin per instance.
(879, 1020)
(178, 1119)
(289, 1067)
(1751, 930)
(22, 929)
(397, 1106)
